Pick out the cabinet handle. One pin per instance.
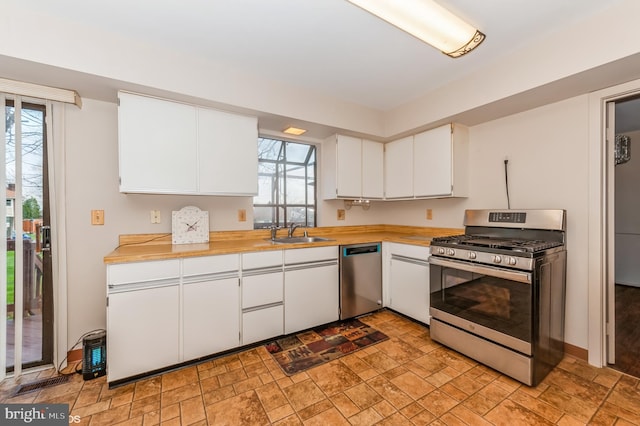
(406, 259)
(299, 266)
(259, 308)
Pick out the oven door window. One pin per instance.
(497, 303)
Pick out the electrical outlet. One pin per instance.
(242, 215)
(341, 214)
(97, 217)
(155, 216)
(429, 214)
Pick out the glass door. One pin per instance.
(28, 285)
(495, 299)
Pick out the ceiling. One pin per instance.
(328, 46)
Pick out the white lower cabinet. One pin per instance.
(161, 313)
(408, 276)
(311, 291)
(262, 296)
(142, 331)
(210, 305)
(143, 317)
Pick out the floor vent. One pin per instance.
(40, 384)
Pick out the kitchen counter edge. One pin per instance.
(148, 247)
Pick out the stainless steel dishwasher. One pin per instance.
(360, 279)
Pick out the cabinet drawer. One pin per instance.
(144, 271)
(261, 259)
(408, 250)
(262, 324)
(312, 254)
(210, 264)
(263, 289)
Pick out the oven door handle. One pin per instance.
(523, 277)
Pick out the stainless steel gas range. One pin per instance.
(498, 290)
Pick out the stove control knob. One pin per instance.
(512, 261)
(472, 255)
(451, 252)
(440, 250)
(497, 259)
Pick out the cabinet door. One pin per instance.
(310, 297)
(262, 324)
(227, 153)
(398, 167)
(372, 169)
(157, 145)
(433, 162)
(142, 331)
(349, 167)
(211, 317)
(409, 287)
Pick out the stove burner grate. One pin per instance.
(516, 245)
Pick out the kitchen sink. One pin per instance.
(299, 240)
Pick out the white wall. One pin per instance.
(627, 206)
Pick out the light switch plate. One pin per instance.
(97, 217)
(341, 214)
(242, 215)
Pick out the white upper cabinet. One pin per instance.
(440, 162)
(431, 164)
(349, 170)
(168, 147)
(352, 168)
(398, 168)
(372, 169)
(157, 143)
(227, 153)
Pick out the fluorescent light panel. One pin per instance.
(429, 22)
(294, 131)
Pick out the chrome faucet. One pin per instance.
(274, 232)
(292, 229)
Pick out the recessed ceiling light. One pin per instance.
(294, 131)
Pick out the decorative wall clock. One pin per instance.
(190, 225)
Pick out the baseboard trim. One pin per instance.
(576, 351)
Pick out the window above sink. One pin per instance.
(286, 184)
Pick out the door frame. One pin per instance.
(600, 210)
(20, 104)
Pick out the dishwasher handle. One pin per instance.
(360, 249)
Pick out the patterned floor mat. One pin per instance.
(299, 352)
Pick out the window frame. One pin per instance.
(280, 204)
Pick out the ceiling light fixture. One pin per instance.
(429, 22)
(294, 131)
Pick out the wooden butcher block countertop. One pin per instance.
(142, 247)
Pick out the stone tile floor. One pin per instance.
(405, 380)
